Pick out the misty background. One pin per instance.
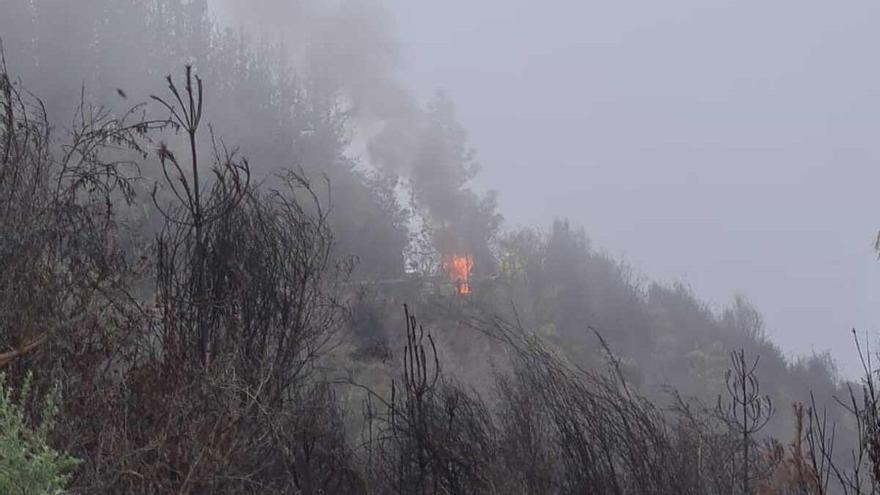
(727, 144)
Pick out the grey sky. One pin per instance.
(729, 144)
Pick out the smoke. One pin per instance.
(347, 50)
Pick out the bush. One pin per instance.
(28, 465)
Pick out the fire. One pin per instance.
(459, 269)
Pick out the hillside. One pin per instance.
(214, 279)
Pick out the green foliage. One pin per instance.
(28, 464)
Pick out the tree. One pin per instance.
(742, 317)
(458, 221)
(746, 411)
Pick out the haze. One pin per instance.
(728, 145)
(731, 145)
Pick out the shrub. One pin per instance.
(28, 464)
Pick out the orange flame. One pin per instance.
(459, 270)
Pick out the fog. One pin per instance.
(728, 144)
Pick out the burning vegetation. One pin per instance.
(458, 267)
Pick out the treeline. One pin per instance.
(561, 287)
